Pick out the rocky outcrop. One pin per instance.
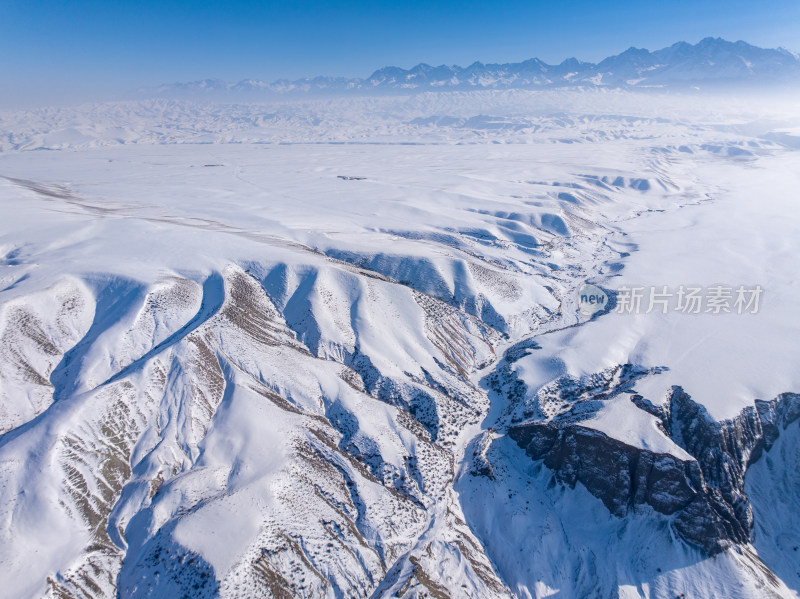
(704, 497)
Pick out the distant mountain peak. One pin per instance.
(713, 61)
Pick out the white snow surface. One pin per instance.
(242, 346)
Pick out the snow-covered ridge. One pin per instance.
(710, 62)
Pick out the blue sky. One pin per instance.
(74, 47)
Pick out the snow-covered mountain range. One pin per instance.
(712, 62)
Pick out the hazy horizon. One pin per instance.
(90, 50)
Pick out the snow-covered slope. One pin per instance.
(333, 349)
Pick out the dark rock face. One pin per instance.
(705, 496)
